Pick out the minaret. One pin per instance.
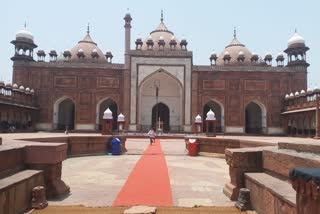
(127, 71)
(127, 27)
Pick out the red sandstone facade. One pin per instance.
(245, 92)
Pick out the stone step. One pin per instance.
(281, 161)
(309, 147)
(269, 194)
(16, 190)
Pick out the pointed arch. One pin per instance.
(64, 113)
(170, 92)
(101, 106)
(255, 117)
(162, 111)
(217, 107)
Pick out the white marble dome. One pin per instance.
(107, 114)
(210, 115)
(198, 119)
(24, 33)
(120, 117)
(296, 39)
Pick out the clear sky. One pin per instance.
(263, 26)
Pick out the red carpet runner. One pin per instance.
(148, 183)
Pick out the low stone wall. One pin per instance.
(84, 145)
(216, 145)
(241, 161)
(16, 190)
(11, 160)
(219, 145)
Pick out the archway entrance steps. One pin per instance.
(149, 182)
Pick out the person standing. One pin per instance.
(152, 136)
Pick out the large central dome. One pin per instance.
(234, 49)
(161, 33)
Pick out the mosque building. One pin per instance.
(157, 81)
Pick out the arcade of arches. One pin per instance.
(64, 113)
(301, 124)
(19, 118)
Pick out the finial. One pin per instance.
(234, 32)
(295, 30)
(161, 16)
(25, 24)
(88, 28)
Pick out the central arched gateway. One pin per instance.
(165, 91)
(161, 111)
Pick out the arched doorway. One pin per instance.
(66, 115)
(161, 111)
(104, 105)
(219, 113)
(160, 87)
(255, 115)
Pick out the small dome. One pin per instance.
(161, 38)
(15, 86)
(198, 119)
(296, 39)
(302, 91)
(27, 89)
(150, 38)
(309, 90)
(241, 53)
(210, 115)
(94, 51)
(24, 33)
(2, 83)
(21, 88)
(227, 53)
(280, 54)
(32, 91)
(287, 96)
(41, 52)
(8, 86)
(291, 95)
(107, 114)
(316, 89)
(268, 54)
(296, 94)
(213, 53)
(80, 50)
(173, 38)
(120, 117)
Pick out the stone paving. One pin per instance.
(96, 180)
